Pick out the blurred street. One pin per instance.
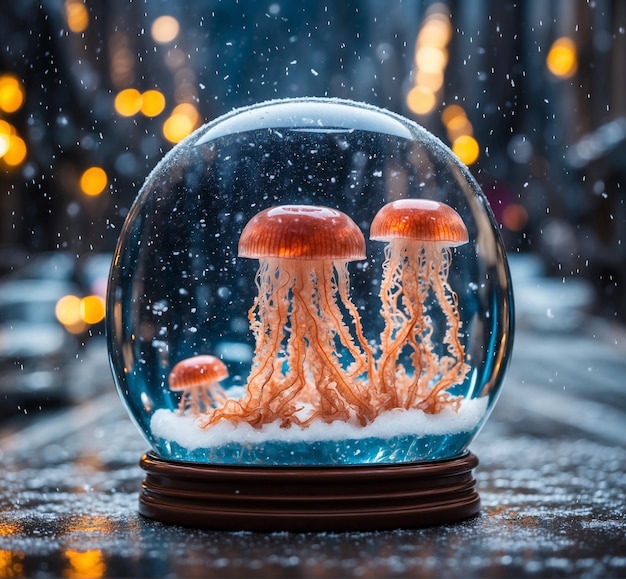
(551, 479)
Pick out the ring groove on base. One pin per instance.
(349, 498)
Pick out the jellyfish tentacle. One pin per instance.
(425, 361)
(295, 381)
(390, 292)
(402, 322)
(321, 331)
(273, 305)
(447, 298)
(267, 316)
(365, 354)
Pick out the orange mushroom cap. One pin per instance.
(196, 372)
(419, 220)
(302, 232)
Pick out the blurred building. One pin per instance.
(531, 95)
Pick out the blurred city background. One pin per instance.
(530, 95)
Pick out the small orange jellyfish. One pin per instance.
(198, 379)
(307, 363)
(420, 234)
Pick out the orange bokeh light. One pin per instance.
(11, 93)
(466, 149)
(562, 59)
(93, 181)
(421, 100)
(128, 102)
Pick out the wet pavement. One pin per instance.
(552, 479)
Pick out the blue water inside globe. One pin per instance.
(180, 290)
(397, 449)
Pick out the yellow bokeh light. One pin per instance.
(562, 59)
(432, 80)
(431, 59)
(458, 126)
(5, 142)
(153, 103)
(67, 310)
(176, 127)
(6, 128)
(92, 309)
(466, 149)
(421, 100)
(11, 93)
(436, 31)
(128, 102)
(164, 29)
(76, 15)
(93, 181)
(189, 110)
(183, 120)
(15, 152)
(451, 112)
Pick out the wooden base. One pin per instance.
(353, 498)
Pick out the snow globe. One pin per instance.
(309, 318)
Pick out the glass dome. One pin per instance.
(309, 282)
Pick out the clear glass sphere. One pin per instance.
(309, 282)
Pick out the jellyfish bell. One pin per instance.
(419, 220)
(419, 234)
(305, 232)
(197, 378)
(299, 371)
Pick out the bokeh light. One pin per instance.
(5, 141)
(431, 80)
(153, 103)
(458, 126)
(164, 29)
(76, 16)
(421, 100)
(562, 59)
(450, 112)
(92, 309)
(16, 150)
(183, 120)
(436, 31)
(515, 217)
(93, 181)
(77, 314)
(11, 93)
(67, 311)
(431, 60)
(466, 148)
(128, 102)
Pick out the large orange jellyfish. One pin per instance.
(307, 362)
(419, 234)
(198, 378)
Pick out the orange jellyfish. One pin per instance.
(198, 379)
(307, 362)
(419, 234)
